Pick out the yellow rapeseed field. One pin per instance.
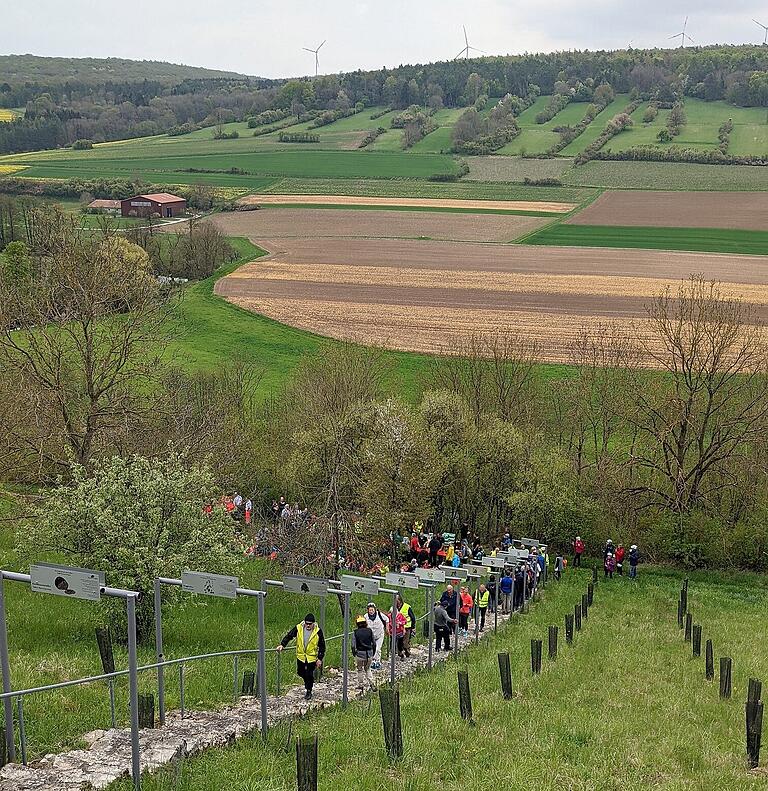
(6, 115)
(7, 170)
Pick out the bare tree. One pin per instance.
(696, 420)
(81, 333)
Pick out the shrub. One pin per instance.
(664, 136)
(298, 137)
(233, 135)
(183, 129)
(371, 136)
(82, 145)
(556, 103)
(649, 116)
(136, 519)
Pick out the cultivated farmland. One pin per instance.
(744, 210)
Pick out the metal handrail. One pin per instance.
(141, 668)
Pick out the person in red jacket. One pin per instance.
(620, 552)
(578, 549)
(465, 607)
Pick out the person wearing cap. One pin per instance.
(310, 650)
(610, 565)
(634, 559)
(377, 623)
(363, 649)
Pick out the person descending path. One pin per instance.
(465, 608)
(310, 650)
(363, 649)
(443, 627)
(404, 642)
(377, 623)
(482, 598)
(506, 586)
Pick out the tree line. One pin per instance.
(657, 434)
(58, 113)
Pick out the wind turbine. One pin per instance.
(467, 48)
(765, 28)
(317, 60)
(683, 36)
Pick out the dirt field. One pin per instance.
(278, 223)
(432, 203)
(738, 210)
(419, 295)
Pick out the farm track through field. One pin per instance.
(419, 295)
(737, 210)
(436, 203)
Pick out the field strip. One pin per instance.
(512, 282)
(347, 200)
(429, 329)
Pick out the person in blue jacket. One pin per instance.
(506, 586)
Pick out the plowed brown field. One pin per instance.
(277, 223)
(418, 295)
(739, 210)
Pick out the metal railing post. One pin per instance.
(133, 691)
(181, 690)
(112, 715)
(262, 666)
(345, 654)
(5, 666)
(431, 629)
(22, 731)
(393, 641)
(159, 657)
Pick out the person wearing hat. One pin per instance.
(310, 650)
(377, 623)
(634, 559)
(363, 649)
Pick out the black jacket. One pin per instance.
(448, 601)
(363, 643)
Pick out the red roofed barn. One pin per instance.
(160, 203)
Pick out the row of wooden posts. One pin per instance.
(389, 696)
(754, 705)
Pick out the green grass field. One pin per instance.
(714, 240)
(625, 708)
(667, 176)
(595, 129)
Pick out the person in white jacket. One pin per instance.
(377, 622)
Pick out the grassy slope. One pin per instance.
(625, 708)
(667, 176)
(716, 240)
(209, 331)
(594, 130)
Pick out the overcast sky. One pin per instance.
(265, 37)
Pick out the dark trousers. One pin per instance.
(463, 620)
(306, 671)
(577, 559)
(482, 611)
(442, 634)
(433, 559)
(620, 569)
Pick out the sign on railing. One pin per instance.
(402, 580)
(66, 581)
(431, 575)
(209, 584)
(312, 586)
(360, 584)
(494, 563)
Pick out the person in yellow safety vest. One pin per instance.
(310, 650)
(482, 597)
(404, 642)
(449, 553)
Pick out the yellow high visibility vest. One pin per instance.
(405, 612)
(481, 599)
(308, 652)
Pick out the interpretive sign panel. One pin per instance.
(209, 584)
(66, 581)
(457, 573)
(494, 563)
(360, 584)
(431, 575)
(395, 580)
(314, 586)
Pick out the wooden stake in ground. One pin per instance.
(104, 640)
(590, 593)
(552, 642)
(389, 700)
(754, 710)
(465, 696)
(505, 671)
(568, 628)
(680, 614)
(577, 617)
(697, 639)
(249, 683)
(146, 710)
(710, 670)
(688, 627)
(306, 763)
(726, 668)
(536, 656)
(684, 598)
(584, 606)
(3, 748)
(755, 691)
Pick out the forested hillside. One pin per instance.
(66, 100)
